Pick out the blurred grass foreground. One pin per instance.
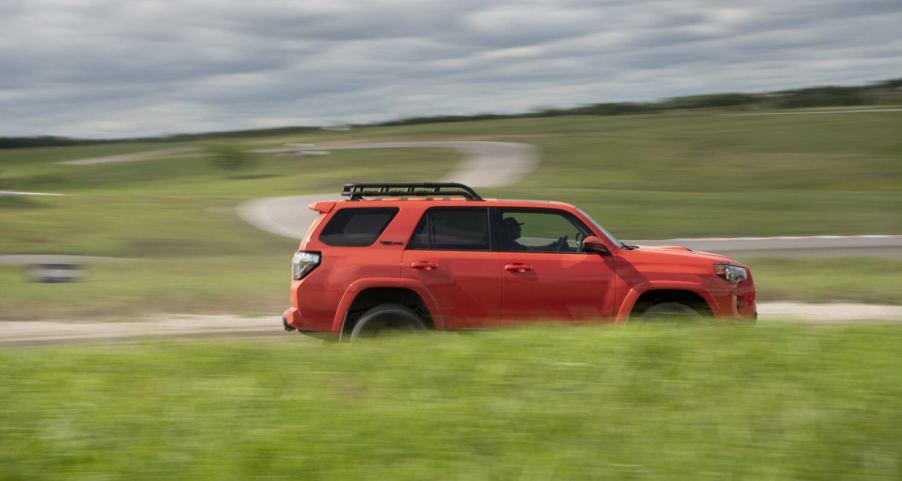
(634, 403)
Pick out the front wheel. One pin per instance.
(385, 319)
(670, 311)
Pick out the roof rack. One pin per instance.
(421, 189)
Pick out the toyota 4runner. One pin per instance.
(438, 256)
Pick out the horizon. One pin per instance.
(443, 117)
(101, 69)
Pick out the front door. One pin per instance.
(545, 276)
(450, 254)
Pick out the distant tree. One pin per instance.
(713, 100)
(822, 97)
(893, 84)
(616, 108)
(228, 157)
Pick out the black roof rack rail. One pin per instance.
(420, 189)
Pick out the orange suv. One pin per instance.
(439, 256)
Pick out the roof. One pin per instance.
(453, 202)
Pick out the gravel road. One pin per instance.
(10, 193)
(486, 164)
(134, 156)
(48, 332)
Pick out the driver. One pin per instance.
(512, 232)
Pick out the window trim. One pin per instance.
(426, 217)
(394, 213)
(495, 215)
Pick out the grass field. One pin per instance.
(173, 207)
(258, 285)
(637, 403)
(649, 176)
(705, 173)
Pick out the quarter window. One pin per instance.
(357, 227)
(452, 229)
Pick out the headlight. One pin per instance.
(303, 262)
(730, 273)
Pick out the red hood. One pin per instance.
(686, 253)
(667, 248)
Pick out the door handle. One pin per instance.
(518, 267)
(425, 265)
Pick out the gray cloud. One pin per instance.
(109, 68)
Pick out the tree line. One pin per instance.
(880, 93)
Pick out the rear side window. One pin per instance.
(452, 229)
(357, 227)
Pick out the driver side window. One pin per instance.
(540, 231)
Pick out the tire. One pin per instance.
(670, 311)
(386, 318)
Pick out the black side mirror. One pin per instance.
(594, 244)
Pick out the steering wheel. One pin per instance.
(560, 243)
(579, 240)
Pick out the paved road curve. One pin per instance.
(493, 164)
(156, 154)
(487, 164)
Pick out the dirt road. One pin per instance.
(485, 164)
(134, 156)
(48, 332)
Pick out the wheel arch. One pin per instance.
(666, 292)
(366, 293)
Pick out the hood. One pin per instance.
(667, 248)
(681, 252)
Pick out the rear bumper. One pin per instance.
(292, 320)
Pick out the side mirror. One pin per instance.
(594, 244)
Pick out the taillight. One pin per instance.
(303, 262)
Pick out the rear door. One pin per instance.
(545, 276)
(450, 253)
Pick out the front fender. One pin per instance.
(633, 294)
(347, 299)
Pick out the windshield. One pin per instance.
(602, 229)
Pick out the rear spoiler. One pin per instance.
(322, 206)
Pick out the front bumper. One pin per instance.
(292, 321)
(746, 298)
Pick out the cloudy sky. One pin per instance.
(112, 68)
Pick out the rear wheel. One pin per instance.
(387, 319)
(670, 311)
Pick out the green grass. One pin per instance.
(638, 403)
(819, 279)
(246, 285)
(702, 174)
(179, 207)
(643, 177)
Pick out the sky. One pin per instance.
(113, 68)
